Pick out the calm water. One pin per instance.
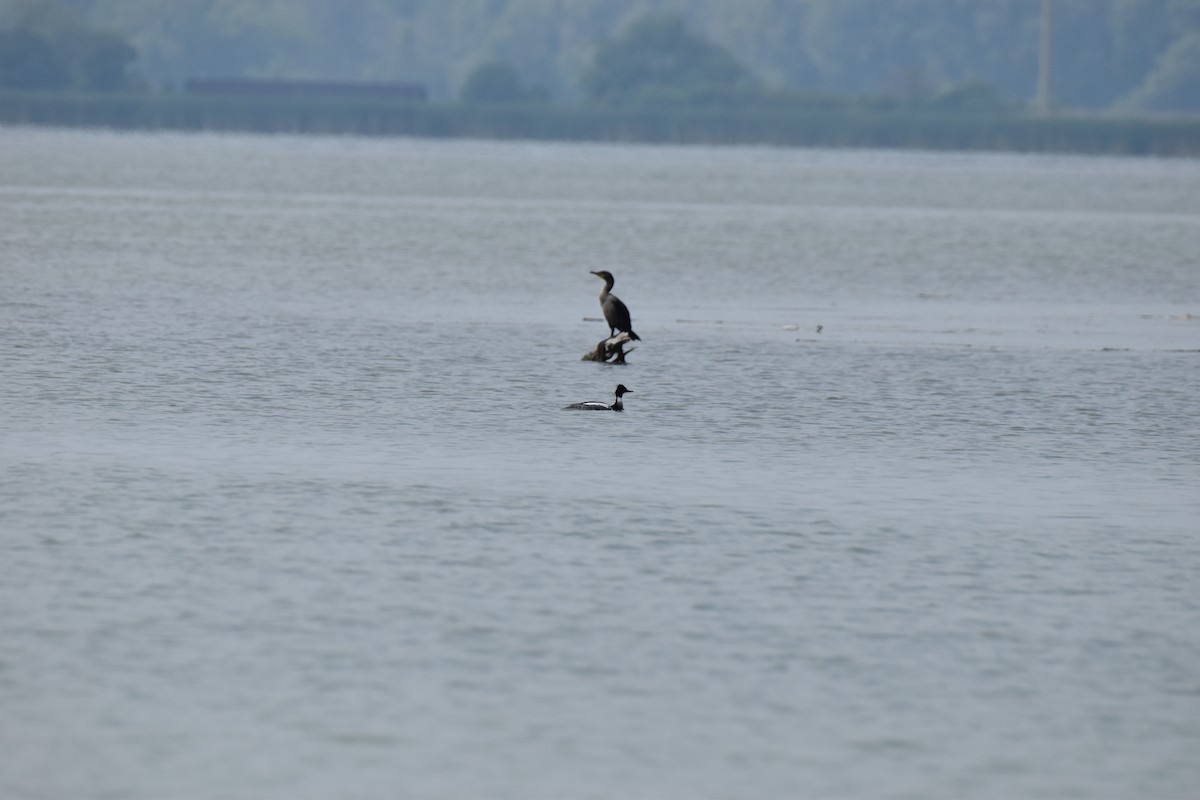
(289, 507)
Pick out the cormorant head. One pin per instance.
(622, 390)
(604, 275)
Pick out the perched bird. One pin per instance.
(615, 312)
(596, 405)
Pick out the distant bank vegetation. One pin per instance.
(656, 79)
(1108, 55)
(72, 58)
(818, 125)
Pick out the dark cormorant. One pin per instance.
(615, 312)
(596, 405)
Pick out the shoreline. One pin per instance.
(799, 126)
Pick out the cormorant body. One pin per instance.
(615, 312)
(596, 405)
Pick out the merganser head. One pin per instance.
(622, 390)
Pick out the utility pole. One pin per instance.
(1043, 84)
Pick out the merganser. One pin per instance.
(615, 312)
(596, 405)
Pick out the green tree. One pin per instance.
(657, 58)
(27, 61)
(973, 96)
(53, 46)
(498, 82)
(1175, 82)
(101, 61)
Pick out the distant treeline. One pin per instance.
(656, 79)
(830, 125)
(1126, 56)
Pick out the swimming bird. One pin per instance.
(615, 312)
(596, 405)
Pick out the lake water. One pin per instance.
(290, 507)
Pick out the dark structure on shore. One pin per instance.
(349, 90)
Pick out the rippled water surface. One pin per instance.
(289, 506)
